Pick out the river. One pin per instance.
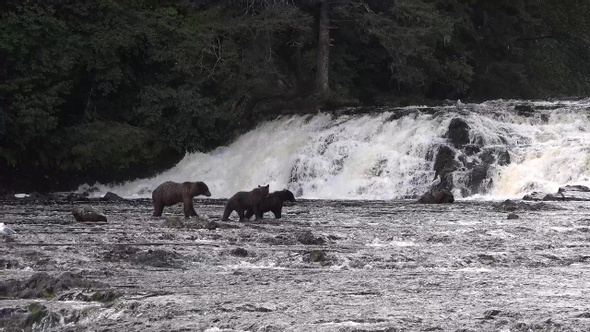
(326, 266)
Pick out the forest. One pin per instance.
(105, 90)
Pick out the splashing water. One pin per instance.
(390, 154)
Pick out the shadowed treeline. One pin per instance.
(112, 90)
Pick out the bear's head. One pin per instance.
(263, 190)
(200, 188)
(288, 195)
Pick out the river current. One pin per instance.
(326, 266)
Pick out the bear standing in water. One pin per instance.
(274, 203)
(245, 200)
(170, 193)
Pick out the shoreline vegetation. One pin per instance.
(109, 91)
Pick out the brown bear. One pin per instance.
(274, 203)
(244, 200)
(170, 193)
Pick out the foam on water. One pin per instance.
(382, 156)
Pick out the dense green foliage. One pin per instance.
(108, 90)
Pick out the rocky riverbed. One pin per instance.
(326, 266)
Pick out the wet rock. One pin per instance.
(534, 196)
(167, 236)
(8, 264)
(427, 198)
(547, 325)
(239, 252)
(281, 239)
(112, 197)
(583, 315)
(439, 238)
(42, 285)
(308, 238)
(437, 197)
(88, 214)
(315, 256)
(478, 175)
(491, 314)
(524, 110)
(444, 161)
(35, 317)
(570, 193)
(512, 216)
(157, 258)
(120, 252)
(103, 296)
(471, 149)
(253, 308)
(510, 205)
(458, 133)
(567, 193)
(503, 158)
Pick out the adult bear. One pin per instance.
(170, 193)
(273, 203)
(245, 200)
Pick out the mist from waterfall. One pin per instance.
(390, 154)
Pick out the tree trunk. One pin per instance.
(322, 86)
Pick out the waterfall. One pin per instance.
(391, 153)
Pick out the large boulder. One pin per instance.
(437, 196)
(112, 197)
(567, 193)
(444, 161)
(458, 132)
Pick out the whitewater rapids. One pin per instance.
(388, 154)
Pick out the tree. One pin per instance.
(323, 63)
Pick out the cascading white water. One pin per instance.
(386, 155)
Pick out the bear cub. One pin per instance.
(245, 200)
(273, 203)
(170, 193)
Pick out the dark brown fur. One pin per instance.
(170, 193)
(273, 203)
(244, 200)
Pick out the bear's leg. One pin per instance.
(257, 212)
(158, 208)
(249, 213)
(189, 209)
(277, 212)
(226, 212)
(240, 212)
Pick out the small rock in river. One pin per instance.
(88, 214)
(513, 216)
(315, 256)
(239, 252)
(307, 237)
(112, 197)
